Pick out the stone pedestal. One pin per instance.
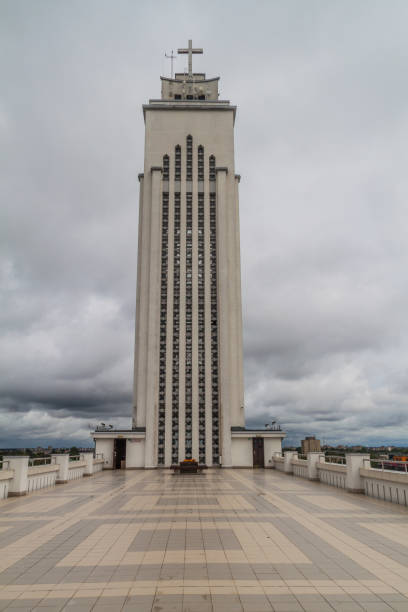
(354, 462)
(62, 460)
(89, 460)
(312, 461)
(288, 456)
(19, 484)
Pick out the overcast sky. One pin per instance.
(321, 144)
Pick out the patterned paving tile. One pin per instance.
(230, 540)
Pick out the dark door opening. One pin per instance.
(119, 454)
(258, 452)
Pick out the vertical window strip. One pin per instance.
(201, 331)
(214, 317)
(177, 164)
(163, 323)
(189, 159)
(201, 312)
(189, 305)
(166, 168)
(200, 163)
(176, 314)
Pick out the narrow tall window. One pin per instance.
(163, 317)
(177, 163)
(189, 159)
(166, 168)
(214, 316)
(189, 304)
(176, 313)
(201, 309)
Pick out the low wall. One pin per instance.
(76, 469)
(41, 477)
(300, 468)
(5, 477)
(17, 477)
(388, 485)
(333, 474)
(279, 463)
(98, 465)
(355, 475)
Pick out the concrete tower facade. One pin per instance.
(188, 378)
(188, 373)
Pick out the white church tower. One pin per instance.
(188, 372)
(188, 389)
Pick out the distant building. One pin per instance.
(310, 445)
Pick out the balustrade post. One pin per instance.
(287, 465)
(88, 457)
(62, 460)
(313, 459)
(19, 484)
(354, 462)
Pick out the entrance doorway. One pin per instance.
(119, 454)
(258, 452)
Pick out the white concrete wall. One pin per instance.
(300, 468)
(105, 446)
(279, 463)
(387, 485)
(271, 446)
(5, 477)
(41, 477)
(332, 474)
(76, 470)
(135, 453)
(241, 452)
(212, 128)
(98, 465)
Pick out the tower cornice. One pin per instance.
(191, 105)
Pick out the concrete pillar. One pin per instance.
(312, 460)
(152, 381)
(223, 317)
(138, 418)
(62, 460)
(19, 484)
(88, 457)
(238, 417)
(354, 462)
(287, 465)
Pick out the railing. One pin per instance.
(303, 457)
(335, 459)
(98, 455)
(388, 465)
(75, 457)
(4, 464)
(32, 461)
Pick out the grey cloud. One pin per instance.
(321, 146)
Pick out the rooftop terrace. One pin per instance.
(230, 540)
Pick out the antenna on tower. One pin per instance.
(171, 57)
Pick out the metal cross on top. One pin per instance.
(190, 52)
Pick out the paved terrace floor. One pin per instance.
(225, 541)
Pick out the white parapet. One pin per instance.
(19, 484)
(386, 484)
(41, 476)
(76, 468)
